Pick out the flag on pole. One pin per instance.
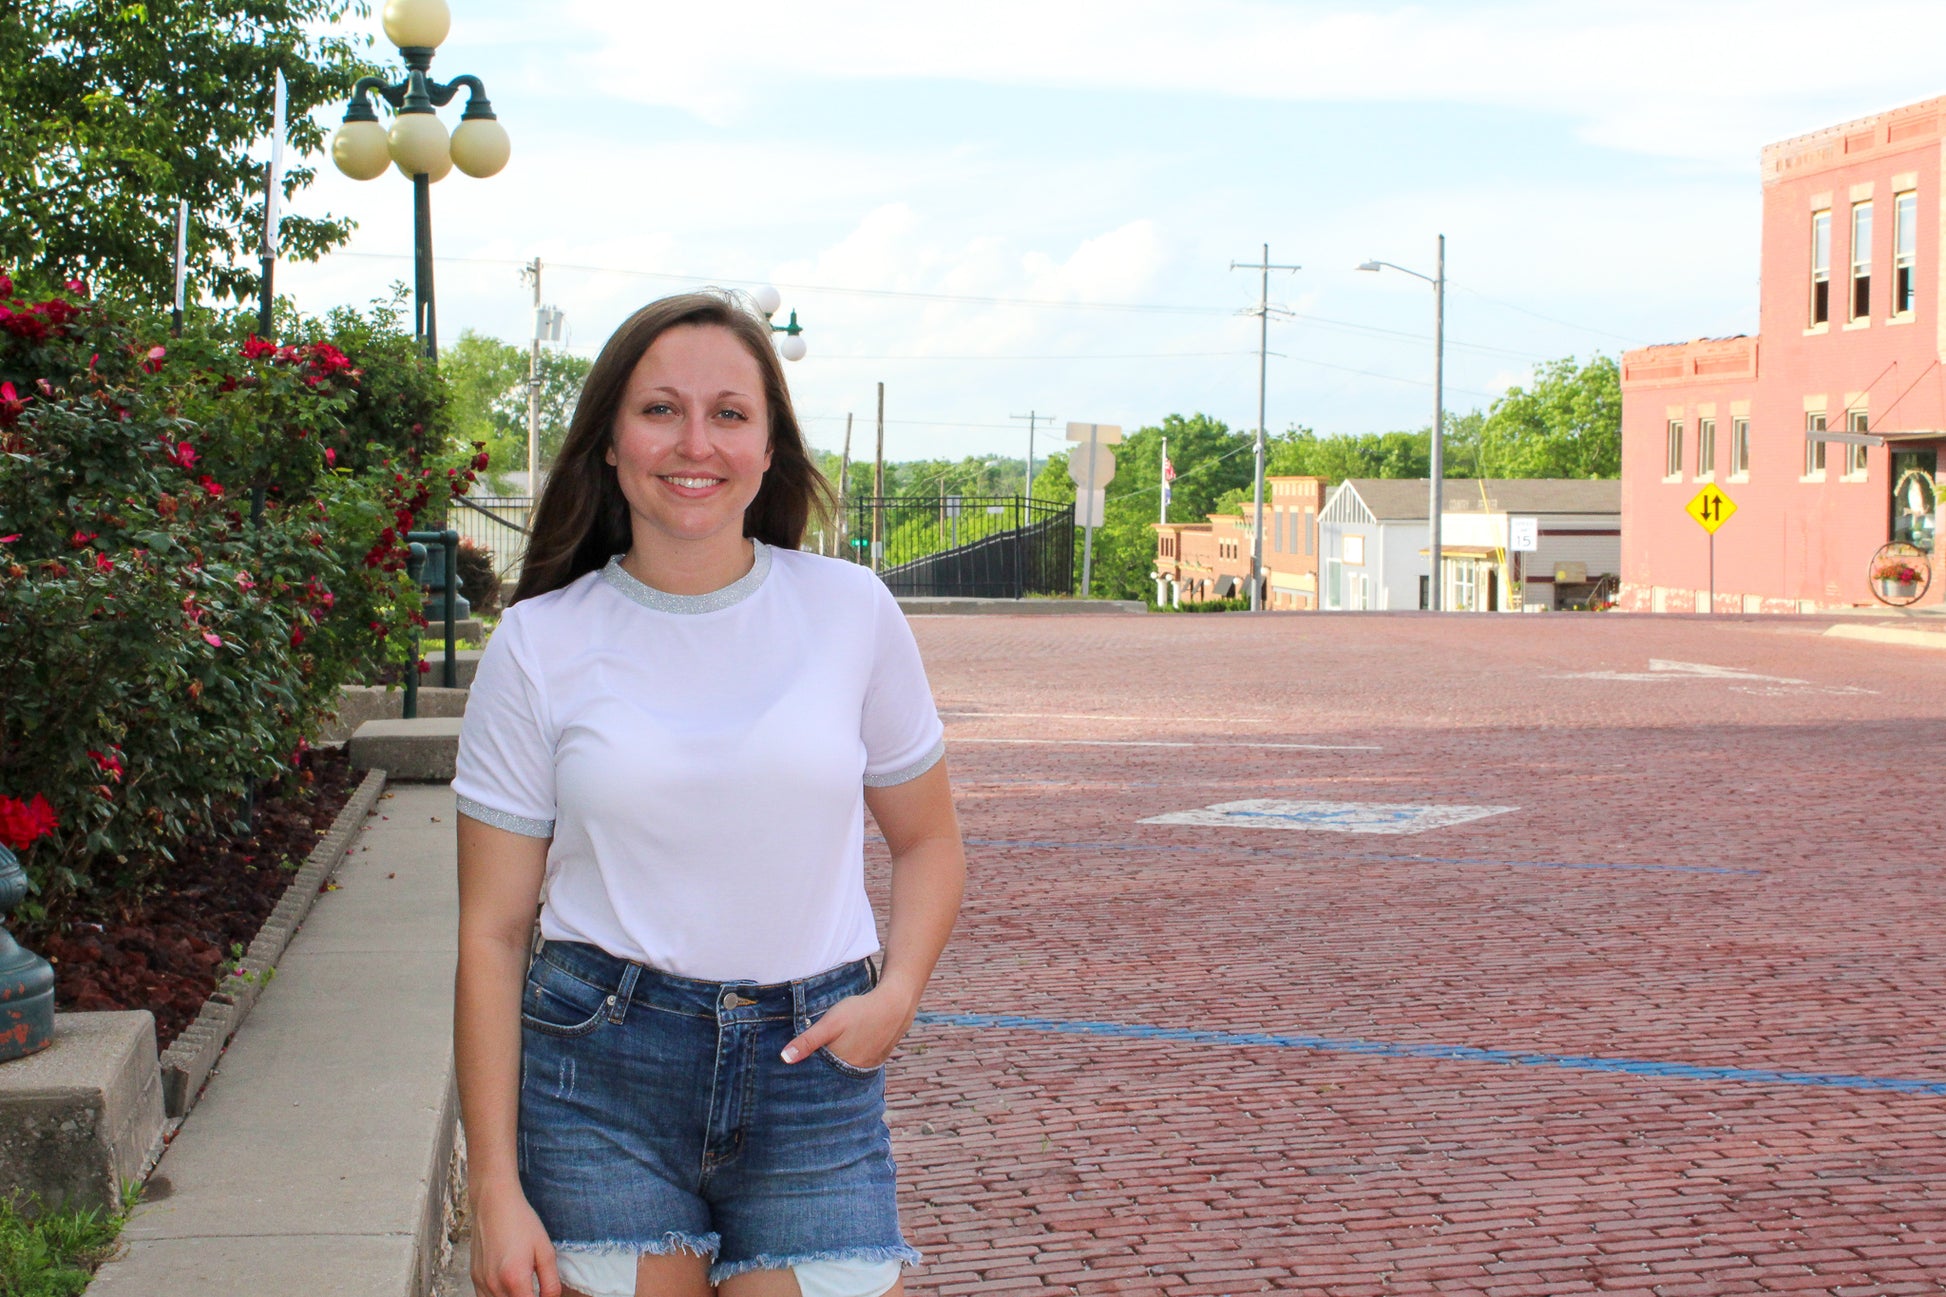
(275, 186)
(1168, 476)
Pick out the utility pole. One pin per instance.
(1030, 416)
(1263, 352)
(844, 488)
(533, 271)
(878, 485)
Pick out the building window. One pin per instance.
(1813, 445)
(1855, 455)
(1310, 531)
(1463, 587)
(1705, 448)
(1740, 446)
(1281, 514)
(1820, 268)
(1861, 261)
(1672, 460)
(1355, 550)
(1905, 252)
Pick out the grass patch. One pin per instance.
(56, 1255)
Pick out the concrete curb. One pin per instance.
(1931, 639)
(192, 1055)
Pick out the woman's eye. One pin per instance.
(727, 413)
(658, 408)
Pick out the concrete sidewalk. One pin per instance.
(315, 1160)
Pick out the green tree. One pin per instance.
(112, 112)
(488, 381)
(1567, 424)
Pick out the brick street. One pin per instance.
(1675, 1023)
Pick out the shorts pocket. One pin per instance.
(555, 1003)
(831, 1060)
(843, 1068)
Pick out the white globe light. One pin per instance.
(418, 143)
(418, 24)
(480, 147)
(768, 299)
(791, 346)
(359, 150)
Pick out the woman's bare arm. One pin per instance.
(928, 880)
(499, 890)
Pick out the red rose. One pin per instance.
(22, 822)
(78, 287)
(211, 485)
(6, 286)
(80, 539)
(153, 360)
(256, 348)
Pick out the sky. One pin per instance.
(1017, 207)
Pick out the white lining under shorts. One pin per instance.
(612, 1274)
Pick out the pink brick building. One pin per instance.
(1826, 427)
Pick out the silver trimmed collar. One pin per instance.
(730, 595)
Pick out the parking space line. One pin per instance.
(1442, 1053)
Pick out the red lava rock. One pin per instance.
(167, 951)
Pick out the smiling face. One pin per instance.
(691, 444)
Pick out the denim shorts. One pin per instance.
(658, 1116)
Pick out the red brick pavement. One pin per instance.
(1794, 924)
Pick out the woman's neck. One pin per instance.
(690, 569)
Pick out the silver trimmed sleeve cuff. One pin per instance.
(520, 824)
(911, 772)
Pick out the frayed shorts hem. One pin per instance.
(860, 1256)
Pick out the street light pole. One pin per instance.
(1436, 467)
(1263, 361)
(1031, 416)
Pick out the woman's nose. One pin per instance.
(693, 440)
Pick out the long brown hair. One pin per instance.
(581, 518)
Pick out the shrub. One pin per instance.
(200, 540)
(478, 580)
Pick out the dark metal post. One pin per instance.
(450, 539)
(415, 563)
(424, 326)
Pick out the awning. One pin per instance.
(1877, 438)
(1224, 585)
(1464, 551)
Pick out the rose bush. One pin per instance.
(201, 539)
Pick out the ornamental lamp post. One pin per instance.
(418, 143)
(770, 301)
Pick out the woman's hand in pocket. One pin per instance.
(859, 1030)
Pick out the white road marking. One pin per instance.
(1330, 817)
(1175, 743)
(1663, 670)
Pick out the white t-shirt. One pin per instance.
(700, 761)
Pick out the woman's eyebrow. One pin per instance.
(728, 391)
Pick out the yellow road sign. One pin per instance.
(1711, 508)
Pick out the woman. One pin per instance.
(670, 745)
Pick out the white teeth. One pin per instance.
(694, 482)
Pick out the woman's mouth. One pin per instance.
(692, 483)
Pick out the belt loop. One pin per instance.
(623, 993)
(871, 966)
(798, 1011)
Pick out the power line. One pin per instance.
(1566, 324)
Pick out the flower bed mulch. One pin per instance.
(168, 951)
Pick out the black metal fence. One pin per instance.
(990, 547)
(498, 522)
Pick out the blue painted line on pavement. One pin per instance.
(1050, 844)
(1447, 1053)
